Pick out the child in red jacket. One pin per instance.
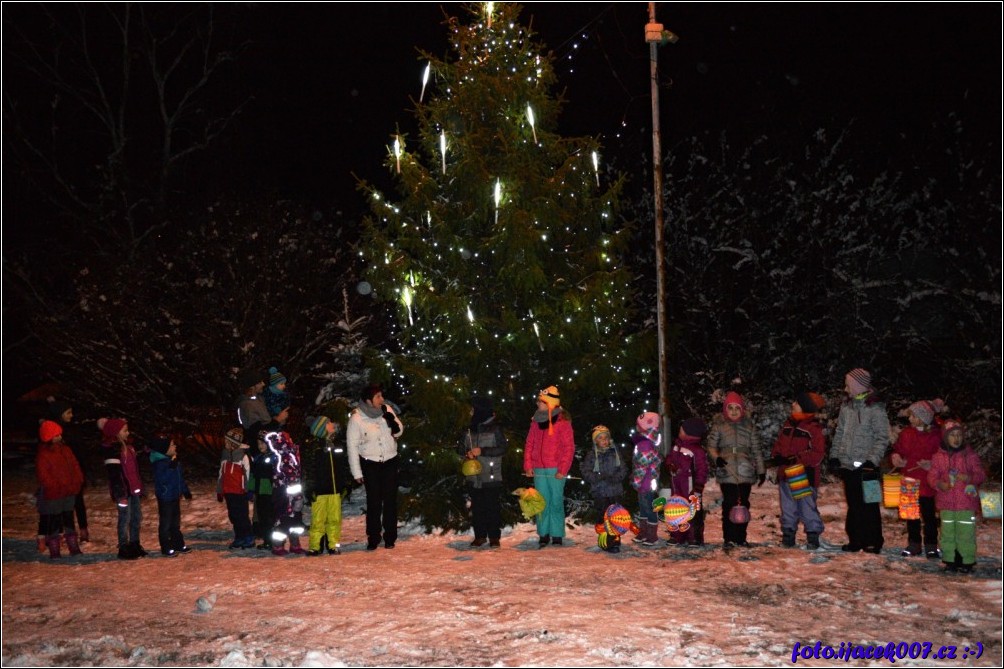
(800, 442)
(956, 472)
(912, 453)
(59, 480)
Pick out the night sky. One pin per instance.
(331, 82)
(334, 81)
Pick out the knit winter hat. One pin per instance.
(949, 427)
(483, 409)
(319, 426)
(49, 430)
(649, 424)
(111, 428)
(275, 377)
(160, 443)
(234, 437)
(694, 427)
(923, 410)
(732, 397)
(249, 377)
(809, 402)
(858, 381)
(597, 431)
(552, 398)
(57, 408)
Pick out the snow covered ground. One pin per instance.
(433, 601)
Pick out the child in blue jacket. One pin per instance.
(169, 487)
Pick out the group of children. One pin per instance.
(930, 451)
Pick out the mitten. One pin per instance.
(760, 479)
(772, 462)
(868, 464)
(720, 461)
(219, 497)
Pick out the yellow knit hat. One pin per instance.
(552, 398)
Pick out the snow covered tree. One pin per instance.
(502, 256)
(160, 338)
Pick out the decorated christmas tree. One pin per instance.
(500, 257)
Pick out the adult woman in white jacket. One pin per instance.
(372, 435)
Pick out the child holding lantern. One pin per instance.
(797, 453)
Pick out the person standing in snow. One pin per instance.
(329, 478)
(231, 486)
(859, 444)
(59, 479)
(913, 453)
(169, 487)
(260, 485)
(734, 446)
(800, 442)
(547, 456)
(604, 469)
(124, 484)
(287, 489)
(645, 463)
(372, 435)
(956, 473)
(62, 413)
(252, 414)
(687, 464)
(485, 443)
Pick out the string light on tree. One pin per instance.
(425, 80)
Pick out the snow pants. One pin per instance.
(794, 510)
(550, 521)
(958, 534)
(325, 521)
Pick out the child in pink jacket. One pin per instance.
(956, 472)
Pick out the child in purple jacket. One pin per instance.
(687, 464)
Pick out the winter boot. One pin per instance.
(913, 550)
(72, 543)
(812, 541)
(138, 549)
(932, 552)
(788, 538)
(83, 536)
(651, 532)
(127, 552)
(294, 545)
(53, 544)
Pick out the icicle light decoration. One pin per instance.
(498, 199)
(533, 126)
(425, 80)
(596, 168)
(442, 147)
(489, 10)
(397, 152)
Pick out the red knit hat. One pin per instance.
(48, 431)
(112, 427)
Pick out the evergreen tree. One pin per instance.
(501, 259)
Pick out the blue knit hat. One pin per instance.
(275, 377)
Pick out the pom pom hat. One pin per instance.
(275, 377)
(597, 431)
(923, 410)
(49, 430)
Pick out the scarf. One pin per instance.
(370, 411)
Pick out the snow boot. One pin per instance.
(83, 536)
(72, 543)
(294, 545)
(913, 550)
(53, 544)
(138, 549)
(932, 552)
(788, 538)
(812, 541)
(127, 552)
(651, 532)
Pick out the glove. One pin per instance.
(868, 464)
(391, 422)
(772, 462)
(188, 495)
(760, 479)
(720, 461)
(834, 463)
(219, 497)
